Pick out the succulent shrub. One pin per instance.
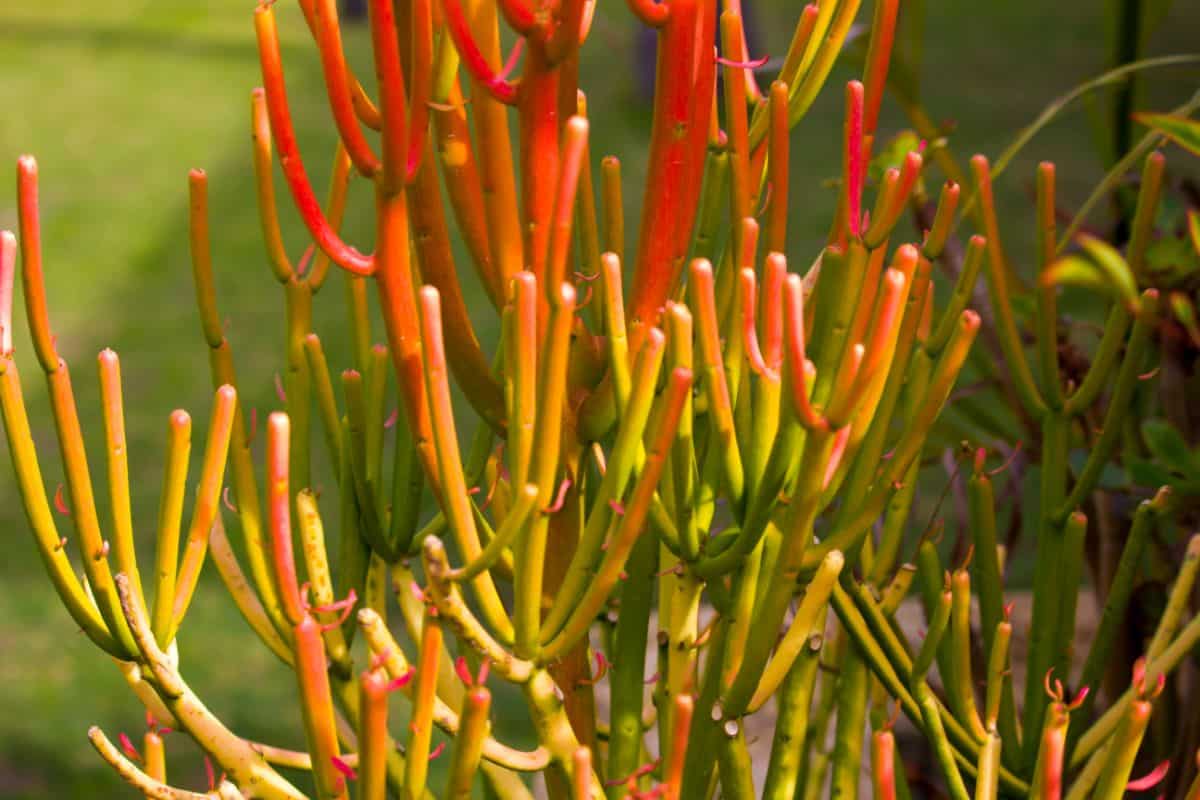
(704, 448)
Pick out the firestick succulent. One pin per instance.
(728, 437)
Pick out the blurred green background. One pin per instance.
(119, 99)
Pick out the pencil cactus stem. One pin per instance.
(806, 623)
(316, 705)
(1104, 362)
(117, 456)
(421, 724)
(419, 67)
(1048, 777)
(777, 170)
(468, 744)
(264, 184)
(879, 56)
(943, 221)
(390, 656)
(574, 151)
(522, 371)
(328, 37)
(891, 204)
(462, 621)
(882, 344)
(514, 524)
(280, 517)
(243, 593)
(749, 296)
(134, 776)
(793, 67)
(962, 682)
(323, 234)
(94, 549)
(963, 289)
(621, 466)
(78, 603)
(1122, 753)
(1097, 735)
(33, 283)
(704, 308)
(797, 357)
(318, 368)
(987, 768)
(1177, 602)
(456, 502)
(938, 622)
(519, 15)
(614, 327)
(883, 764)
(530, 556)
(736, 121)
(324, 606)
(1118, 406)
(685, 79)
(630, 525)
(154, 755)
(208, 499)
(372, 735)
(339, 184)
(650, 12)
(612, 217)
(1142, 227)
(998, 275)
(854, 168)
(1047, 305)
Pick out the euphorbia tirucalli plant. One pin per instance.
(698, 465)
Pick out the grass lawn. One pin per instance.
(119, 99)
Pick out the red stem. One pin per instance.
(854, 172)
(686, 75)
(539, 147)
(421, 84)
(337, 85)
(305, 199)
(472, 58)
(649, 12)
(279, 516)
(519, 15)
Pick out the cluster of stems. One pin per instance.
(715, 464)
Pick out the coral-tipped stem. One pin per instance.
(208, 499)
(854, 167)
(316, 706)
(264, 184)
(328, 36)
(472, 57)
(468, 744)
(117, 457)
(456, 504)
(279, 516)
(424, 693)
(879, 56)
(574, 150)
(32, 282)
(306, 202)
(943, 221)
(650, 12)
(630, 527)
(373, 690)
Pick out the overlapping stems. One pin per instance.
(732, 442)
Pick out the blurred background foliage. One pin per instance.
(119, 99)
